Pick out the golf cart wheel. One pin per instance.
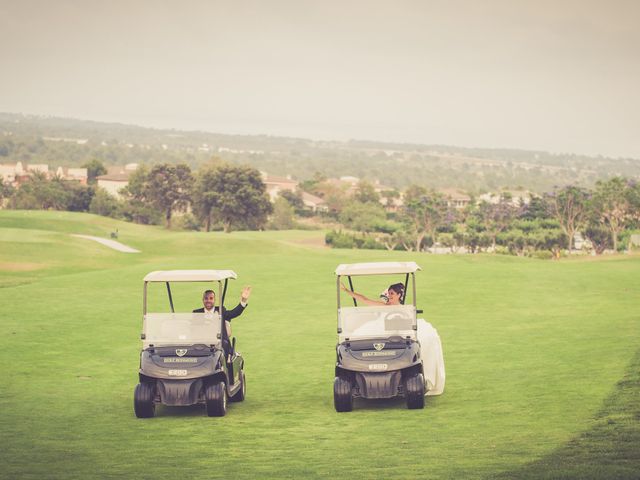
(414, 391)
(342, 397)
(242, 391)
(216, 399)
(143, 400)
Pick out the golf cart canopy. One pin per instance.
(377, 268)
(190, 276)
(185, 276)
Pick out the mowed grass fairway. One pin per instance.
(542, 363)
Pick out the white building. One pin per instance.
(313, 203)
(79, 174)
(518, 197)
(117, 178)
(275, 185)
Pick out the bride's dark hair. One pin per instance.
(399, 289)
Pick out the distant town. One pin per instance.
(116, 180)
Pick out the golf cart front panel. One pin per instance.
(377, 357)
(155, 365)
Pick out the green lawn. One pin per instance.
(542, 363)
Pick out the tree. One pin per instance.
(366, 193)
(136, 207)
(334, 195)
(168, 188)
(6, 191)
(549, 237)
(613, 204)
(448, 240)
(363, 217)
(310, 185)
(472, 233)
(78, 195)
(495, 218)
(599, 236)
(424, 211)
(568, 206)
(282, 218)
(527, 235)
(295, 200)
(95, 168)
(38, 193)
(103, 203)
(237, 197)
(537, 208)
(204, 197)
(136, 186)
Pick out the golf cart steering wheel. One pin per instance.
(396, 321)
(394, 316)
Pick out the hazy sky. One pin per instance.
(555, 75)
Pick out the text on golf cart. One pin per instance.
(388, 353)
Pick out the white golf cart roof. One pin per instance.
(190, 275)
(376, 268)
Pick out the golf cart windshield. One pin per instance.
(377, 322)
(181, 329)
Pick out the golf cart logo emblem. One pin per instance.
(181, 352)
(378, 346)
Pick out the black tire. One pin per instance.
(143, 400)
(240, 394)
(414, 391)
(342, 396)
(215, 396)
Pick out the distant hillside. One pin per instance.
(70, 142)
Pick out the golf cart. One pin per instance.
(378, 352)
(187, 358)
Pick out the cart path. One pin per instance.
(109, 243)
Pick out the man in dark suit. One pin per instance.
(209, 302)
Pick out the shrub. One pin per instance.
(104, 204)
(542, 254)
(339, 240)
(186, 222)
(370, 243)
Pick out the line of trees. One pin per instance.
(227, 197)
(605, 217)
(224, 196)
